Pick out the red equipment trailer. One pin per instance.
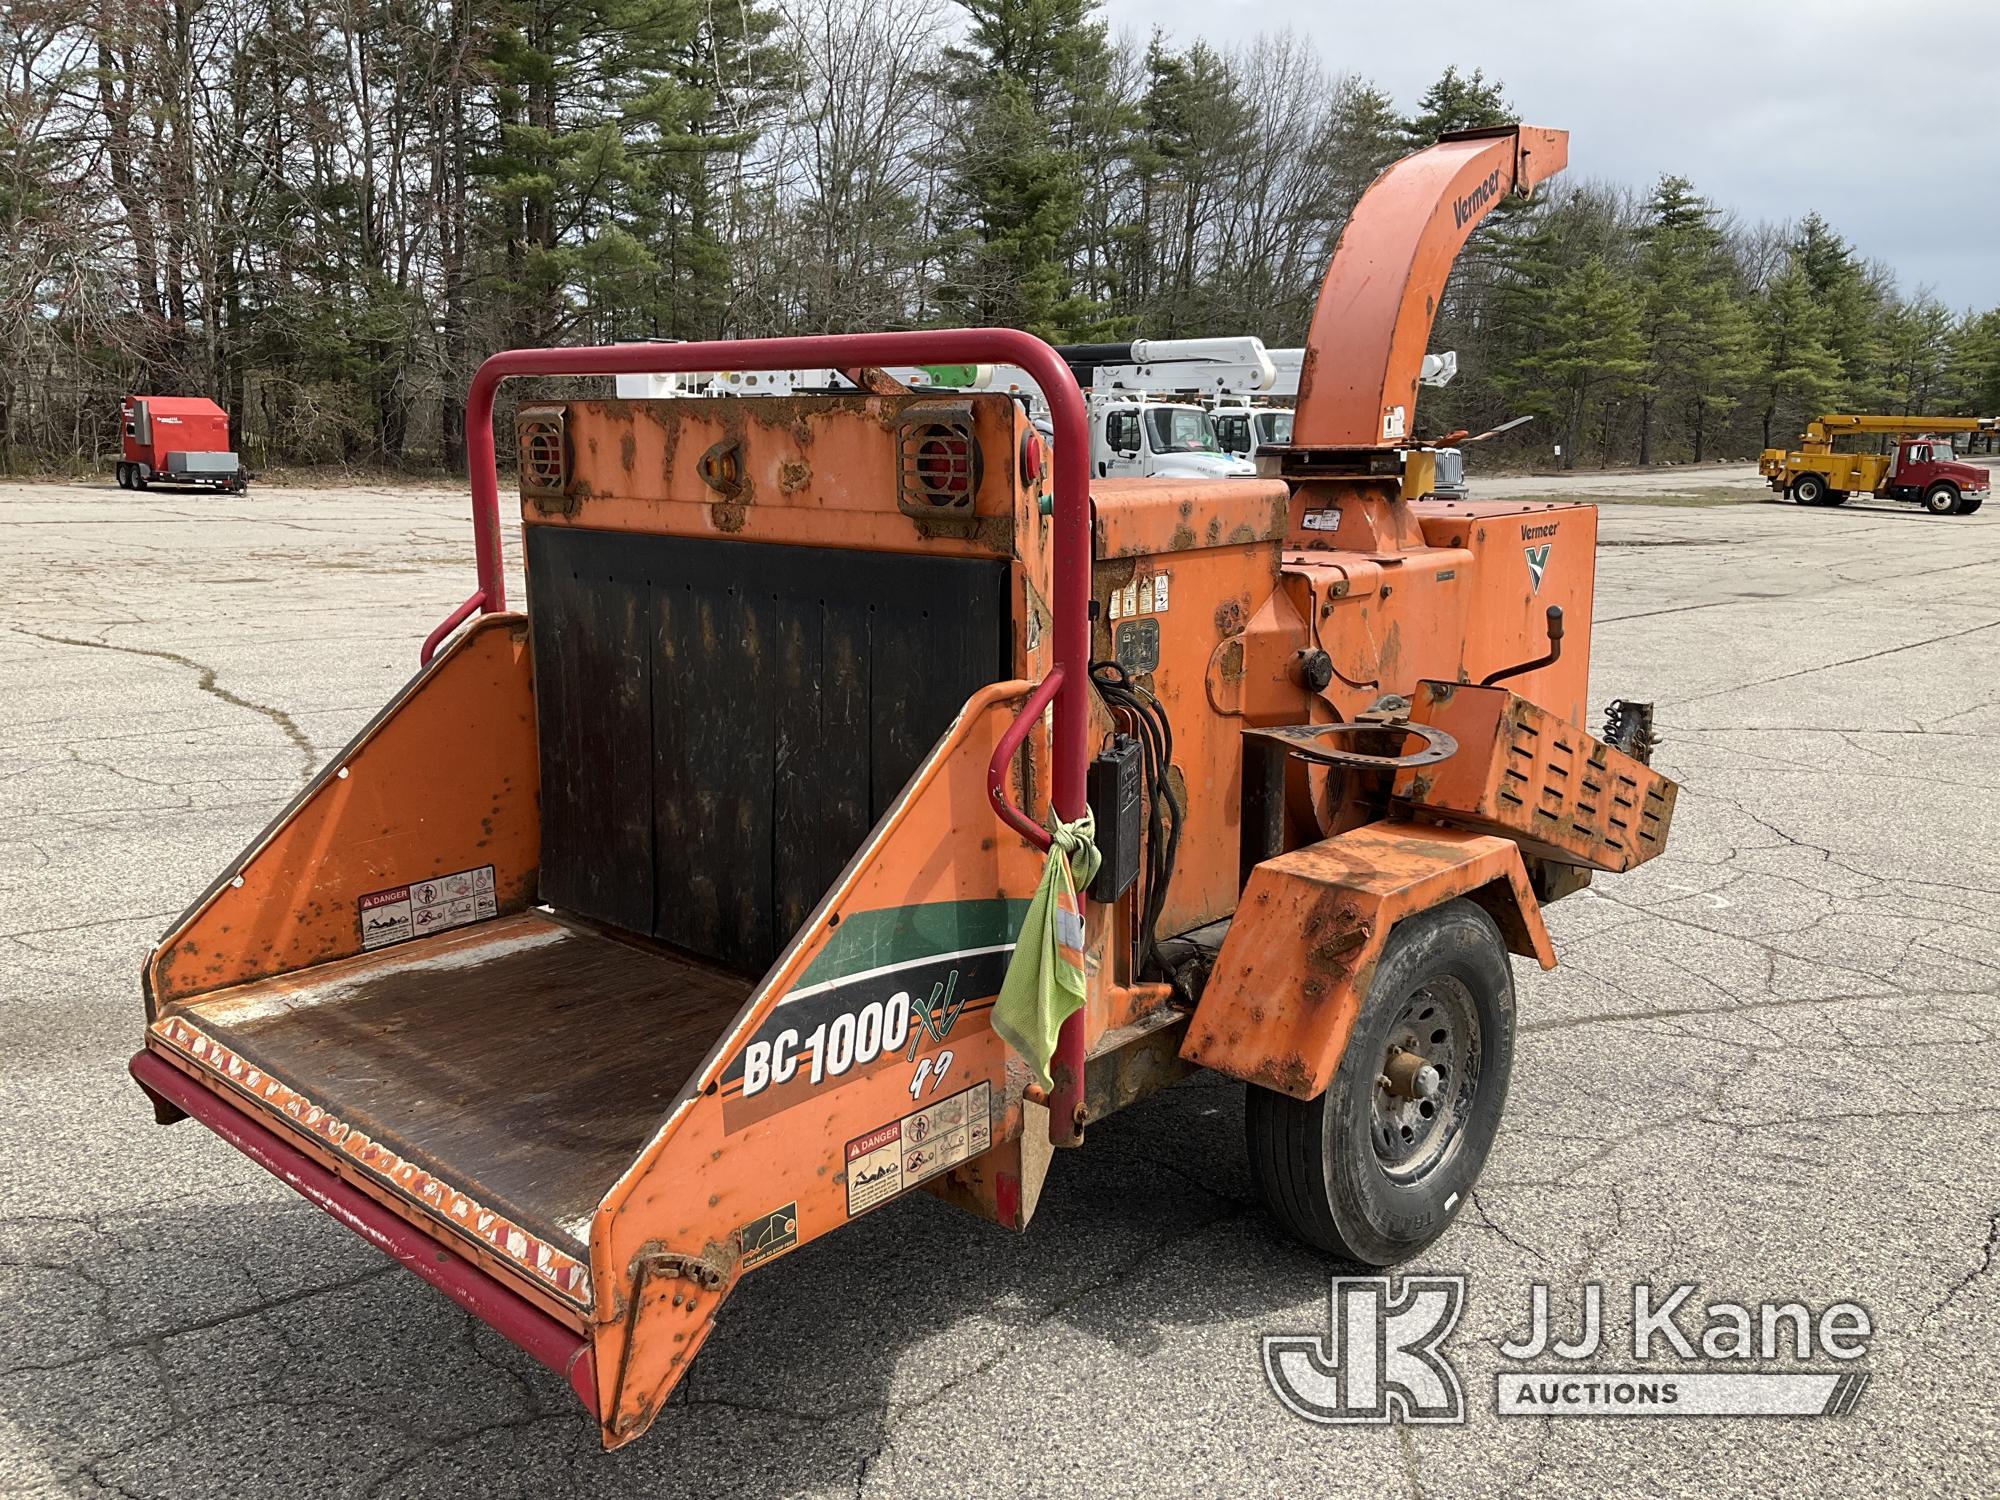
(177, 440)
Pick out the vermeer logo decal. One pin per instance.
(1464, 210)
(1538, 562)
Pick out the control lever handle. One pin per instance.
(1554, 653)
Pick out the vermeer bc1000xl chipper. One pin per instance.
(801, 687)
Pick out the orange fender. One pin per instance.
(1311, 927)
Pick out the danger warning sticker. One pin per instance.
(426, 906)
(902, 1154)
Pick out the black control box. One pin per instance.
(1118, 802)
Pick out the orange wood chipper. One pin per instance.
(655, 929)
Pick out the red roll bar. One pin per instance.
(1003, 757)
(849, 351)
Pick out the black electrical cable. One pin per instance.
(1147, 720)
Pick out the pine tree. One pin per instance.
(1973, 366)
(1723, 365)
(1802, 370)
(1850, 307)
(1700, 352)
(1025, 83)
(611, 114)
(1457, 102)
(1584, 347)
(1364, 134)
(1916, 345)
(1195, 124)
(1460, 101)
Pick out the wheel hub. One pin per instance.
(1408, 1076)
(1427, 1080)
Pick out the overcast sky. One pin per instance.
(1882, 114)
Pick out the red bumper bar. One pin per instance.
(562, 1349)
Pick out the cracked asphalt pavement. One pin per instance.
(1769, 1064)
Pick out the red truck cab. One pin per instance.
(178, 440)
(1928, 471)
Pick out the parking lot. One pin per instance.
(1769, 1064)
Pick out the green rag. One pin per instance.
(1045, 981)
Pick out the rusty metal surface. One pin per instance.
(444, 780)
(1147, 517)
(828, 471)
(764, 1129)
(939, 460)
(1372, 323)
(1532, 776)
(1189, 604)
(542, 447)
(1322, 743)
(1133, 1061)
(1296, 965)
(1473, 599)
(919, 900)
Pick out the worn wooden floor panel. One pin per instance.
(524, 1061)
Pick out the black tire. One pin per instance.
(1967, 504)
(1809, 489)
(1328, 1168)
(138, 477)
(124, 477)
(1941, 499)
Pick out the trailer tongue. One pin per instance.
(656, 929)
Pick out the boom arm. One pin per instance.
(1823, 430)
(1358, 386)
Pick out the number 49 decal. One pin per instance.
(930, 1073)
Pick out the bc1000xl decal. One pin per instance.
(826, 1034)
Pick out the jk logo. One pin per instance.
(1538, 563)
(1380, 1359)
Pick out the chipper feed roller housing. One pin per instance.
(655, 928)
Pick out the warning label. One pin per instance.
(902, 1154)
(426, 906)
(770, 1235)
(1320, 520)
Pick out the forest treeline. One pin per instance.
(325, 213)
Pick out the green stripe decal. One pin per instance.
(902, 934)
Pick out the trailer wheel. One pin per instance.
(124, 476)
(1941, 499)
(1809, 489)
(1379, 1165)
